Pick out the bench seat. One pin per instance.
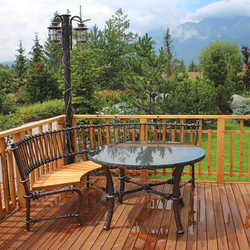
(67, 175)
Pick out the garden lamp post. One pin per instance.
(61, 32)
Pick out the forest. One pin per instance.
(119, 67)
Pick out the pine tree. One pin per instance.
(146, 81)
(117, 46)
(86, 73)
(169, 50)
(20, 66)
(41, 85)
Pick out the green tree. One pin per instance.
(246, 54)
(146, 79)
(192, 67)
(169, 52)
(86, 72)
(220, 62)
(20, 66)
(116, 45)
(41, 84)
(191, 97)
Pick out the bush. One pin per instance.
(41, 110)
(243, 110)
(108, 96)
(9, 121)
(30, 113)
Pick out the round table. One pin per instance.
(146, 155)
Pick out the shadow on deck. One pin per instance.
(215, 216)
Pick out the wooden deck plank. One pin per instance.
(192, 222)
(108, 237)
(138, 224)
(147, 223)
(99, 235)
(156, 229)
(92, 218)
(201, 220)
(68, 231)
(220, 224)
(162, 238)
(118, 230)
(53, 232)
(240, 215)
(210, 217)
(182, 238)
(130, 222)
(228, 218)
(215, 216)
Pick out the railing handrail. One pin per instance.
(30, 125)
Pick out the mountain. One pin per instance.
(190, 38)
(9, 63)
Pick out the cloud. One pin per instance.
(21, 19)
(222, 9)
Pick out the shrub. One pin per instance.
(243, 110)
(38, 110)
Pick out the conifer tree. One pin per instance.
(117, 46)
(20, 66)
(146, 79)
(41, 85)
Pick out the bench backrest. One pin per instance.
(122, 132)
(37, 150)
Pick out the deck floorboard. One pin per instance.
(215, 216)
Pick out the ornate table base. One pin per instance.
(175, 196)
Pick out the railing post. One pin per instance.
(5, 176)
(20, 189)
(220, 149)
(143, 172)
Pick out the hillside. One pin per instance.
(190, 37)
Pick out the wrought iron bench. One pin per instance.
(44, 156)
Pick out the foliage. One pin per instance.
(169, 49)
(220, 62)
(7, 81)
(243, 110)
(246, 54)
(41, 84)
(20, 66)
(7, 86)
(108, 96)
(86, 72)
(193, 67)
(33, 112)
(146, 81)
(38, 110)
(116, 46)
(9, 121)
(191, 97)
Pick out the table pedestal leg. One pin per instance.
(176, 198)
(110, 197)
(122, 185)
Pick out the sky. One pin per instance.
(21, 19)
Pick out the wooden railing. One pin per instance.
(219, 143)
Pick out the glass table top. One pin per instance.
(147, 155)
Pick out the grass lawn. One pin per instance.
(230, 125)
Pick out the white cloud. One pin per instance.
(222, 9)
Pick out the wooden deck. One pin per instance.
(216, 216)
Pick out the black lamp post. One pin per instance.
(63, 34)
